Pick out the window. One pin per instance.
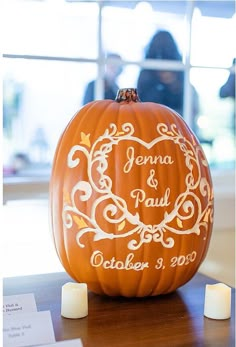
(55, 48)
(50, 55)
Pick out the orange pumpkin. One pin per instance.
(131, 198)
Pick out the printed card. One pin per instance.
(19, 303)
(27, 329)
(67, 343)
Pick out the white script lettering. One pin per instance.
(97, 260)
(143, 160)
(140, 196)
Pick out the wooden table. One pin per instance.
(172, 320)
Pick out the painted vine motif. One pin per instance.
(97, 155)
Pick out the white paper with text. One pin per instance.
(21, 303)
(27, 329)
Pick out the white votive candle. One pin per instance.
(74, 300)
(217, 301)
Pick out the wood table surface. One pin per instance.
(170, 320)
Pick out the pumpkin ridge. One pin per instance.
(115, 183)
(178, 247)
(58, 242)
(104, 113)
(146, 251)
(75, 120)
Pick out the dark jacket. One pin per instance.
(150, 88)
(110, 91)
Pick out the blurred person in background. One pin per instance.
(228, 90)
(112, 72)
(163, 86)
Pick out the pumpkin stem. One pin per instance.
(127, 94)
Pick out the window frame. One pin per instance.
(101, 61)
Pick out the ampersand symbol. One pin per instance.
(152, 181)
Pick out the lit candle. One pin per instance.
(74, 300)
(217, 301)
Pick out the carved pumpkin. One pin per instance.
(131, 198)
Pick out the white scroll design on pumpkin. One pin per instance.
(116, 210)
